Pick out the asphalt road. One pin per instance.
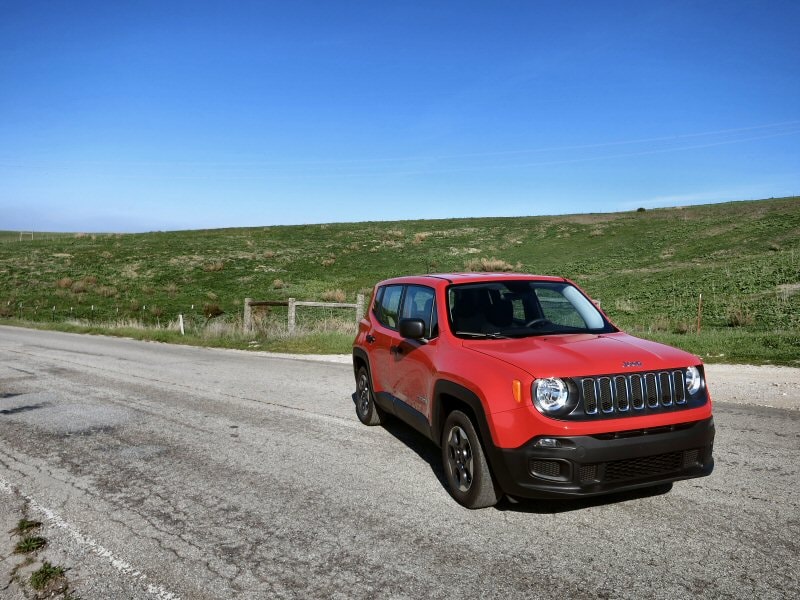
(173, 472)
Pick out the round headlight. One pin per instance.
(693, 380)
(550, 395)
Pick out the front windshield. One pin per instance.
(520, 308)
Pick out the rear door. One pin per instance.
(384, 336)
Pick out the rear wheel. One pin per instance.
(468, 477)
(366, 409)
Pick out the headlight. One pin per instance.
(550, 395)
(693, 380)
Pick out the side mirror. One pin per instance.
(413, 329)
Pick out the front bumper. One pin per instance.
(589, 465)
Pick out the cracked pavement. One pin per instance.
(165, 471)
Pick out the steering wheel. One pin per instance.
(534, 322)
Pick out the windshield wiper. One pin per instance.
(481, 335)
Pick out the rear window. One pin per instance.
(387, 305)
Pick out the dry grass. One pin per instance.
(211, 267)
(328, 262)
(278, 284)
(106, 291)
(396, 233)
(336, 295)
(660, 324)
(420, 237)
(490, 265)
(64, 283)
(171, 289)
(625, 305)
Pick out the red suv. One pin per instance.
(528, 388)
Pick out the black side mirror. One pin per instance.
(413, 329)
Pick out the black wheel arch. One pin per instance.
(449, 396)
(360, 359)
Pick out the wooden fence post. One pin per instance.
(359, 307)
(291, 314)
(247, 321)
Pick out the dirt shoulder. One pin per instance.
(778, 387)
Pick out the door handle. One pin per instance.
(370, 339)
(396, 350)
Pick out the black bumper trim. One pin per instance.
(588, 465)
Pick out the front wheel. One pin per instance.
(468, 477)
(368, 412)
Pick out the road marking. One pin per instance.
(120, 565)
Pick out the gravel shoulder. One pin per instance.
(767, 385)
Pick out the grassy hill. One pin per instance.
(646, 267)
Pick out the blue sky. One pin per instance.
(138, 116)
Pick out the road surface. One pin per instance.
(163, 471)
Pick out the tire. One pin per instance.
(368, 412)
(468, 476)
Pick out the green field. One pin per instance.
(647, 268)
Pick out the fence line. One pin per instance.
(292, 304)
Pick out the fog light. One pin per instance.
(547, 443)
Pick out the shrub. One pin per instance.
(212, 310)
(328, 262)
(740, 317)
(640, 209)
(64, 283)
(90, 280)
(278, 284)
(682, 328)
(78, 287)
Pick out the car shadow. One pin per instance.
(430, 453)
(417, 442)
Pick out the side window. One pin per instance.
(419, 304)
(387, 305)
(557, 309)
(376, 306)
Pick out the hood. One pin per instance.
(584, 354)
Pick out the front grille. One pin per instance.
(642, 467)
(628, 394)
(646, 466)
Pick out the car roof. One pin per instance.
(459, 278)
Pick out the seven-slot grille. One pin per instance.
(614, 394)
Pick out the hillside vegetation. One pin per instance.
(647, 268)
